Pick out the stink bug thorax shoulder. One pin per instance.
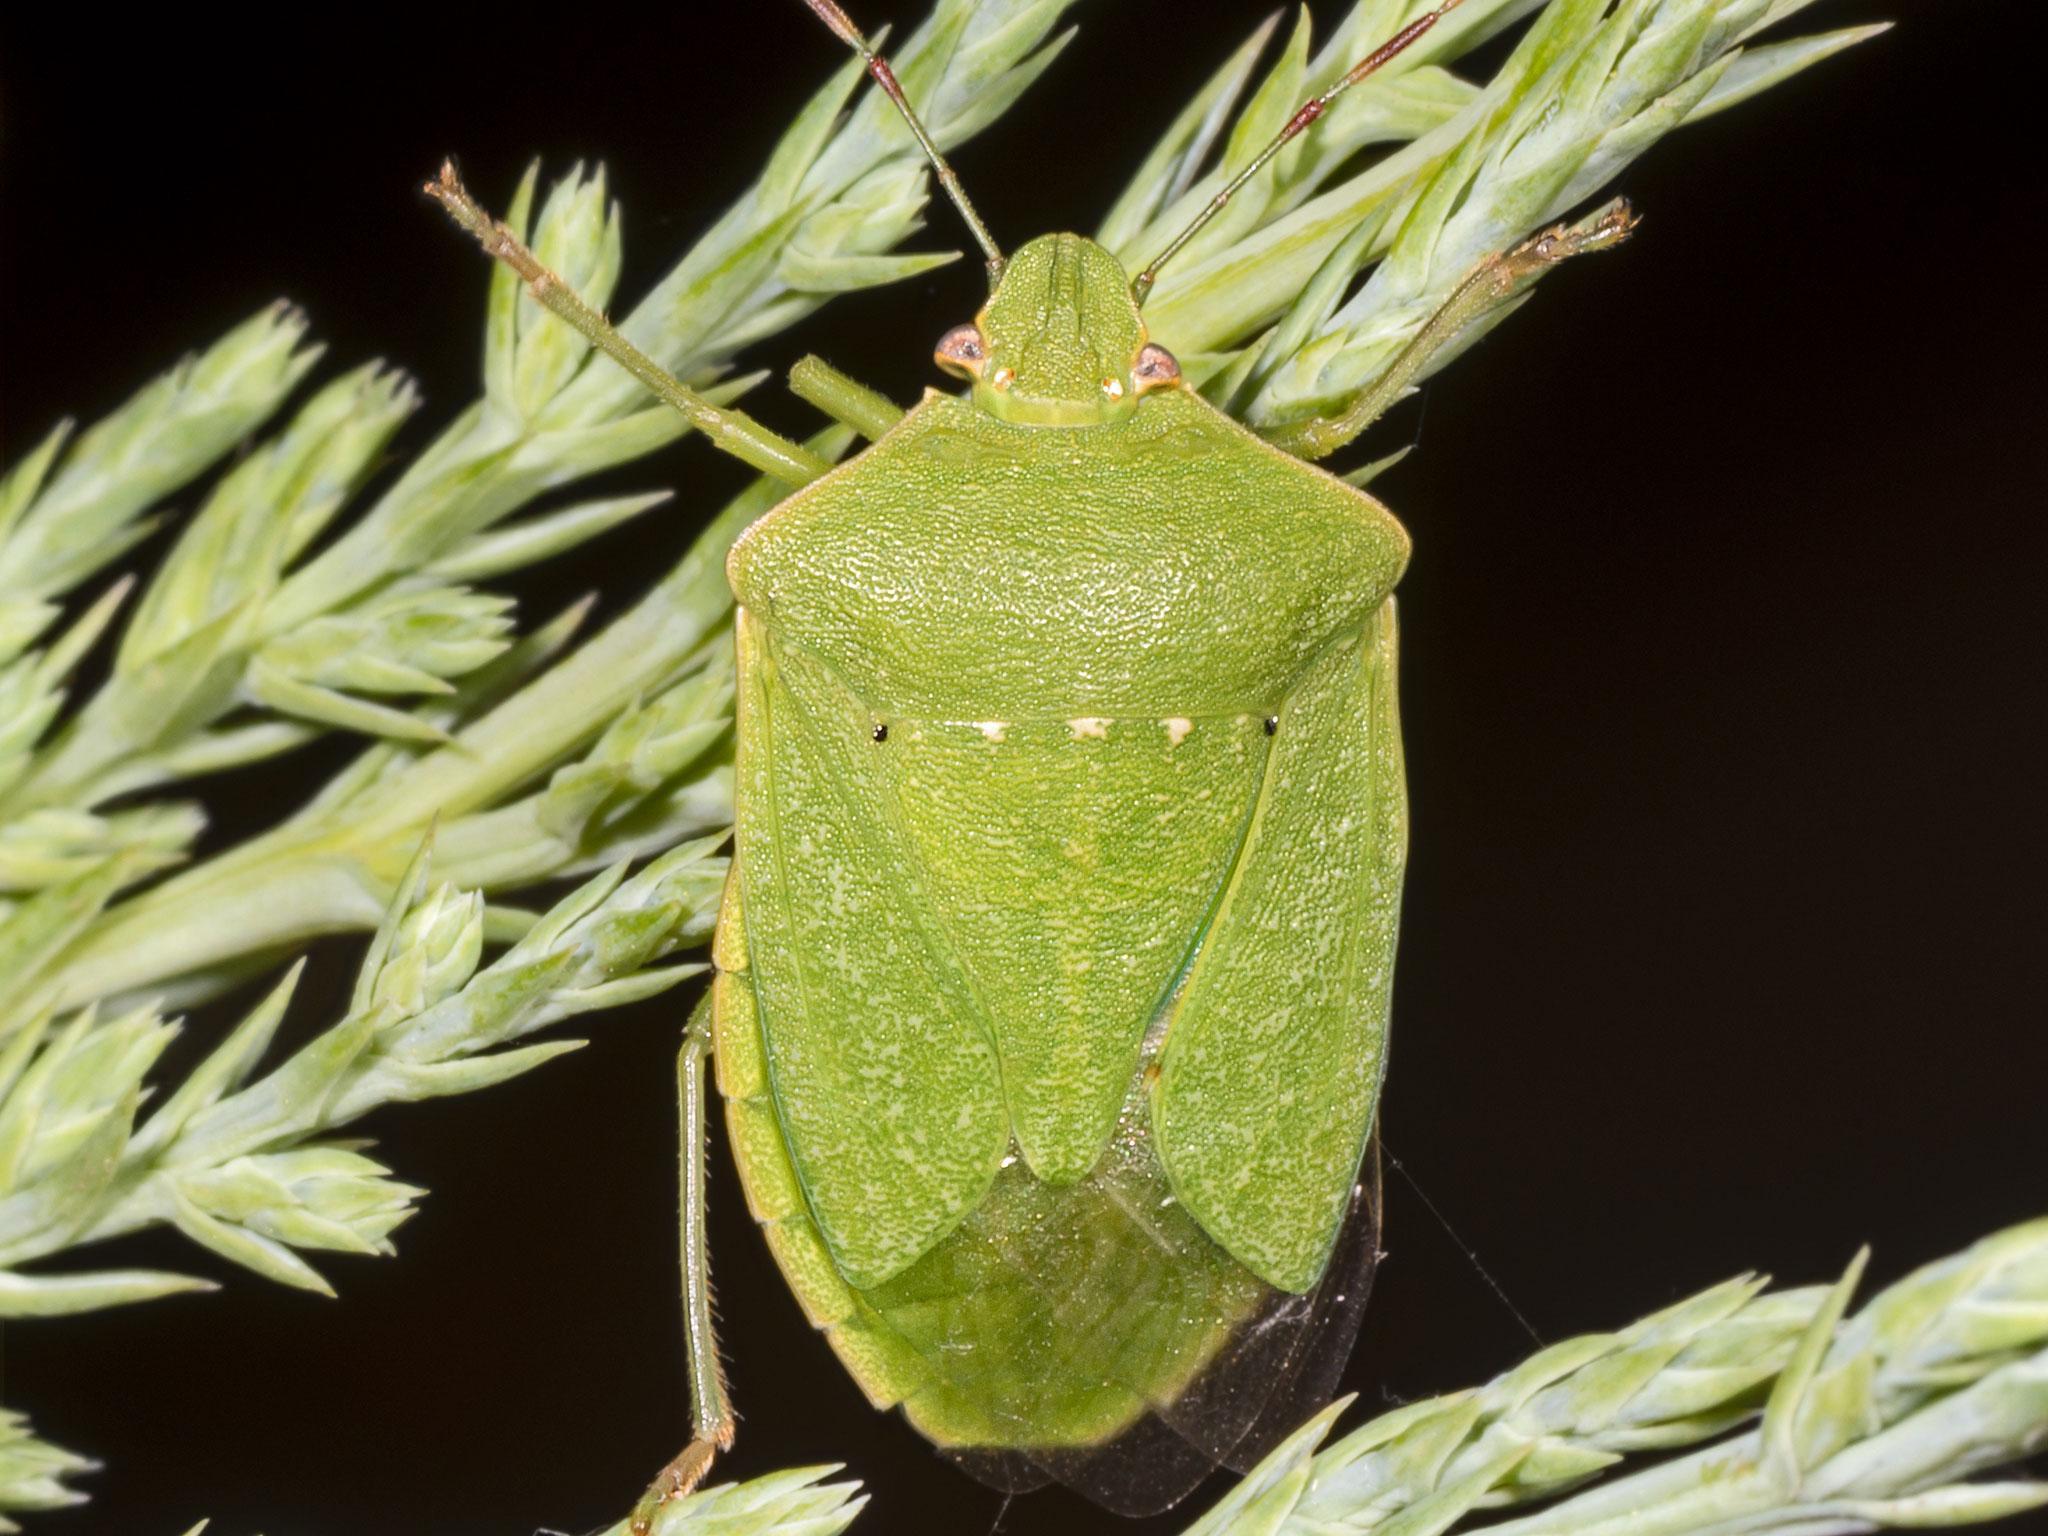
(1060, 341)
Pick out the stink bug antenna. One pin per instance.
(1297, 125)
(829, 12)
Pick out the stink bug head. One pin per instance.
(1060, 342)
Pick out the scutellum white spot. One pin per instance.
(1089, 725)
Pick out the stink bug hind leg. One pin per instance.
(711, 1417)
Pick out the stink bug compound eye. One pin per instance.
(1155, 367)
(961, 352)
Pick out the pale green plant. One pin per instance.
(1873, 1423)
(1258, 307)
(32, 1471)
(798, 1502)
(1602, 86)
(252, 637)
(519, 760)
(1859, 1426)
(242, 1164)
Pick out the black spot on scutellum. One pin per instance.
(881, 733)
(1272, 724)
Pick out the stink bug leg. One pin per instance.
(734, 431)
(847, 401)
(1494, 285)
(711, 1417)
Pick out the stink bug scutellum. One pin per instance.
(1053, 973)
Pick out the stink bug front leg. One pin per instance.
(711, 1416)
(846, 400)
(733, 431)
(1495, 283)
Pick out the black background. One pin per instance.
(1722, 683)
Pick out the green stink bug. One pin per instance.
(1053, 971)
